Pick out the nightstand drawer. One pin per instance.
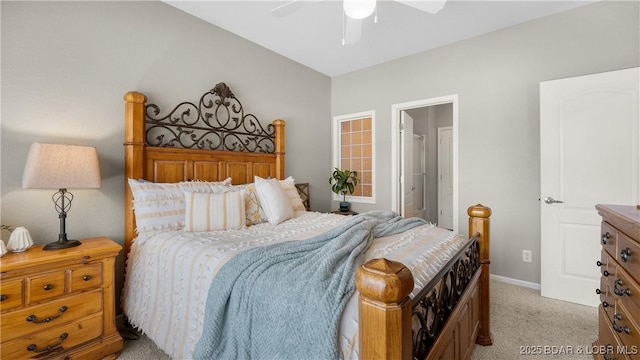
(52, 314)
(10, 294)
(86, 277)
(46, 286)
(49, 341)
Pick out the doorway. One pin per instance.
(417, 177)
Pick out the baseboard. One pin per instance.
(504, 279)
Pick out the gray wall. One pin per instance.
(496, 77)
(67, 65)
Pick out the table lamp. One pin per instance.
(55, 166)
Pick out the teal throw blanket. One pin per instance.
(285, 301)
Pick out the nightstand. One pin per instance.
(59, 303)
(348, 212)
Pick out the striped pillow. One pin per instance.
(289, 187)
(160, 206)
(209, 211)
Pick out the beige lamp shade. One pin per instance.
(54, 166)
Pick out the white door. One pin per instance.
(406, 138)
(589, 154)
(445, 177)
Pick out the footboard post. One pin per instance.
(479, 223)
(384, 310)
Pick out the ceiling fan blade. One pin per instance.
(352, 30)
(430, 6)
(288, 8)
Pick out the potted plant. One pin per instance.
(343, 182)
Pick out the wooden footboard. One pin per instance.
(452, 311)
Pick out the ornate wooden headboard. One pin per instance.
(210, 140)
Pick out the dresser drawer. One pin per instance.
(607, 337)
(10, 294)
(86, 277)
(625, 328)
(45, 286)
(55, 339)
(627, 293)
(609, 238)
(628, 255)
(52, 314)
(607, 270)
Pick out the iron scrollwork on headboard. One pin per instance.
(217, 122)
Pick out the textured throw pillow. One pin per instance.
(253, 210)
(273, 200)
(210, 211)
(289, 187)
(160, 206)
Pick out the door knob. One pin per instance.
(550, 200)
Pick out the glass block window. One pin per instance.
(354, 150)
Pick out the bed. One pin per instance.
(434, 304)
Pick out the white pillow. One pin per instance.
(273, 200)
(210, 211)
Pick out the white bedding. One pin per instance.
(168, 275)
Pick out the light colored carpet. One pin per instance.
(521, 320)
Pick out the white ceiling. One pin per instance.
(312, 34)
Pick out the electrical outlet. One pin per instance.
(526, 256)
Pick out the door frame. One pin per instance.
(396, 186)
(440, 184)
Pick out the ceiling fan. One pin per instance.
(357, 10)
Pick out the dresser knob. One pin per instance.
(598, 291)
(3, 297)
(605, 238)
(618, 282)
(35, 349)
(599, 263)
(605, 304)
(48, 287)
(617, 316)
(606, 273)
(86, 277)
(624, 254)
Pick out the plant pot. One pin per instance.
(345, 205)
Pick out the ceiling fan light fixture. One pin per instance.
(358, 9)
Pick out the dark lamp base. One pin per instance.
(61, 244)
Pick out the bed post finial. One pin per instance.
(384, 306)
(479, 223)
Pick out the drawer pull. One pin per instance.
(617, 316)
(86, 277)
(624, 254)
(35, 349)
(34, 319)
(599, 263)
(598, 291)
(605, 304)
(605, 237)
(606, 273)
(620, 329)
(48, 287)
(620, 292)
(3, 297)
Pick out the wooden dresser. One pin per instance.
(619, 310)
(60, 303)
